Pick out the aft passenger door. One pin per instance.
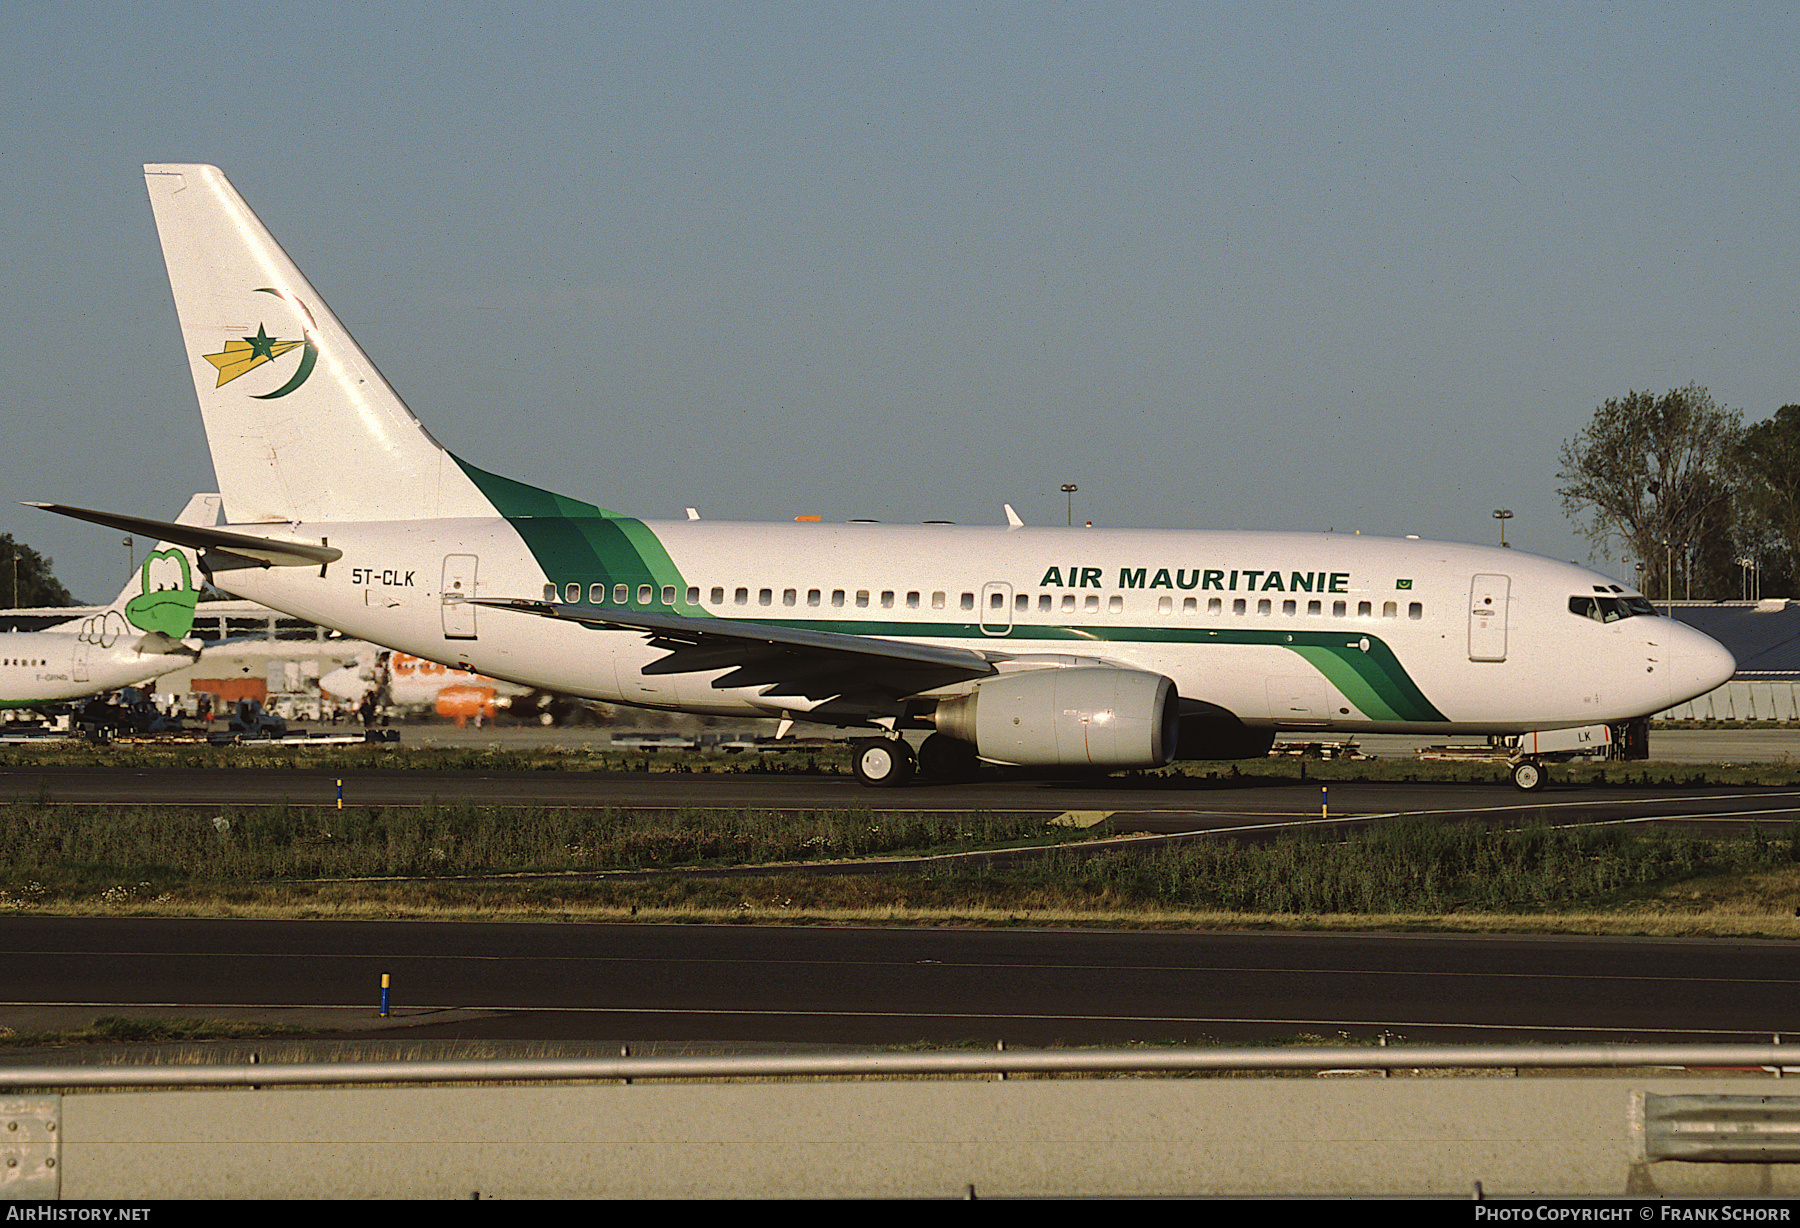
(457, 588)
(1488, 617)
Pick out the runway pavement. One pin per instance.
(1242, 806)
(1669, 745)
(602, 984)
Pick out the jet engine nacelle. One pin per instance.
(1087, 716)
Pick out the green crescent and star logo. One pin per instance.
(243, 355)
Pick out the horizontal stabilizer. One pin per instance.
(158, 644)
(263, 551)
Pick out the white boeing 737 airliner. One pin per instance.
(137, 638)
(1068, 648)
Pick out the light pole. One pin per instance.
(1749, 580)
(1503, 515)
(1069, 489)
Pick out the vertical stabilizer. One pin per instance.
(301, 425)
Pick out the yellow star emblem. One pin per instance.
(245, 354)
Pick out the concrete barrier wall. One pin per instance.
(1528, 1136)
(1741, 701)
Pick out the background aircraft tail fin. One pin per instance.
(301, 424)
(156, 606)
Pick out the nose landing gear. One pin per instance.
(1529, 775)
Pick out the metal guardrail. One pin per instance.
(1717, 1129)
(972, 1062)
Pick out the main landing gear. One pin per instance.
(885, 763)
(881, 763)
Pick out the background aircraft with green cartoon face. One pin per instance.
(137, 638)
(1078, 649)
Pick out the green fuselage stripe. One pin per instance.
(576, 542)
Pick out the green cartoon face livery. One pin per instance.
(166, 603)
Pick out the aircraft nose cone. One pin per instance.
(1697, 664)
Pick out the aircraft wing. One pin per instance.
(784, 660)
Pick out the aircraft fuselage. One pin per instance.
(1291, 630)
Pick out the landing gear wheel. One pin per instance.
(1529, 775)
(881, 763)
(945, 758)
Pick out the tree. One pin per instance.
(1659, 472)
(1768, 462)
(25, 579)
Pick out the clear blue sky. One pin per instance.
(1348, 266)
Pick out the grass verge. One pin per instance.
(491, 863)
(117, 1030)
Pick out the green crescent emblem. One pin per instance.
(242, 355)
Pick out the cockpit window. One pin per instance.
(1609, 609)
